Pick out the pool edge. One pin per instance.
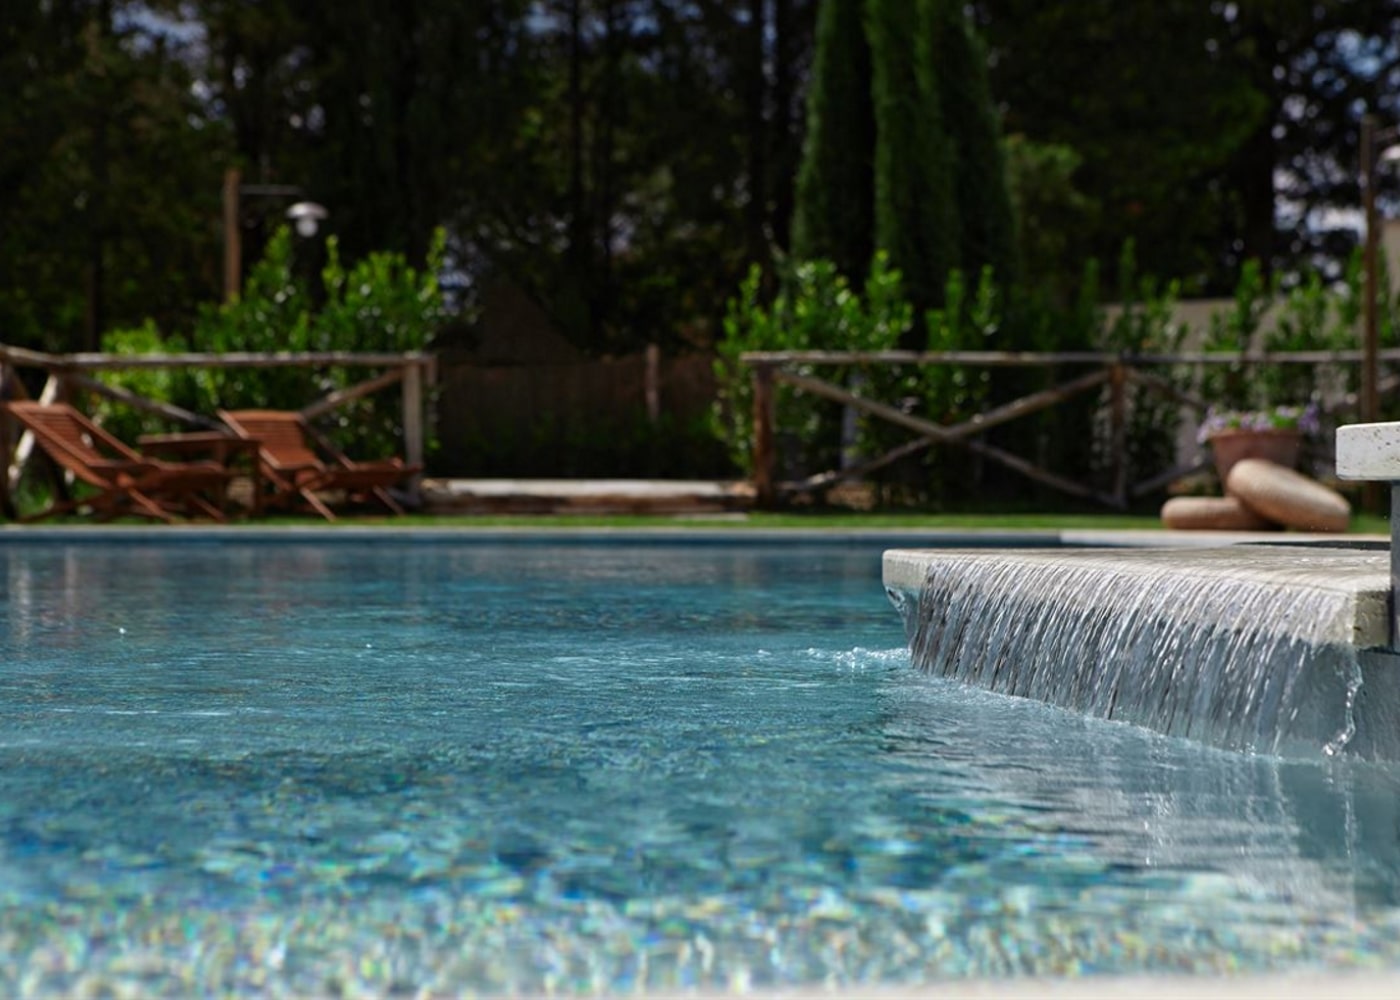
(1302, 985)
(902, 537)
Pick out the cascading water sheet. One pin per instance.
(1247, 648)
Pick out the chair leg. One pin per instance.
(110, 505)
(317, 504)
(284, 493)
(149, 506)
(142, 504)
(195, 502)
(384, 497)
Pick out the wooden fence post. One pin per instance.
(1118, 431)
(413, 417)
(763, 416)
(651, 387)
(7, 443)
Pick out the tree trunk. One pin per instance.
(785, 142)
(1257, 195)
(94, 275)
(756, 212)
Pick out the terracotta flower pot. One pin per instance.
(1279, 445)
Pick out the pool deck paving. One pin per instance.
(585, 496)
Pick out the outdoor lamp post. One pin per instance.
(1377, 147)
(306, 216)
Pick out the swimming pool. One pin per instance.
(522, 768)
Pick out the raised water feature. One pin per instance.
(1275, 649)
(1371, 452)
(1270, 648)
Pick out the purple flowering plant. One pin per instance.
(1300, 418)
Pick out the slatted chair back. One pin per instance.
(78, 444)
(282, 435)
(297, 473)
(127, 482)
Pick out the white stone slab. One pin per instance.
(1369, 452)
(1363, 575)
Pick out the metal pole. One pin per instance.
(1395, 566)
(1370, 335)
(233, 236)
(1370, 338)
(1371, 453)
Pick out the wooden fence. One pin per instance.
(67, 374)
(591, 418)
(1098, 370)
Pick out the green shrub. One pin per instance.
(1143, 325)
(169, 385)
(962, 324)
(380, 305)
(815, 309)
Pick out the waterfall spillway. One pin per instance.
(1262, 648)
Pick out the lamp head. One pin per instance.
(306, 216)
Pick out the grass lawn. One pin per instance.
(842, 520)
(835, 518)
(814, 520)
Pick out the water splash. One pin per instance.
(1338, 743)
(1227, 659)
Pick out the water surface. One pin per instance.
(474, 768)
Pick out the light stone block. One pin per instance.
(1369, 452)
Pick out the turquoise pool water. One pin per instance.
(474, 768)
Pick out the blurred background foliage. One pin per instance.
(625, 162)
(629, 165)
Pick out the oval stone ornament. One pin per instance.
(1212, 514)
(1288, 497)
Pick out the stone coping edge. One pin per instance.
(1360, 575)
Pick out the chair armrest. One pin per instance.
(122, 465)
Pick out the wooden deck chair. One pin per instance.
(126, 481)
(290, 462)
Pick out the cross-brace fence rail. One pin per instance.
(1117, 372)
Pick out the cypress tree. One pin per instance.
(916, 218)
(834, 213)
(988, 230)
(903, 149)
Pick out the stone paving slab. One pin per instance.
(584, 496)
